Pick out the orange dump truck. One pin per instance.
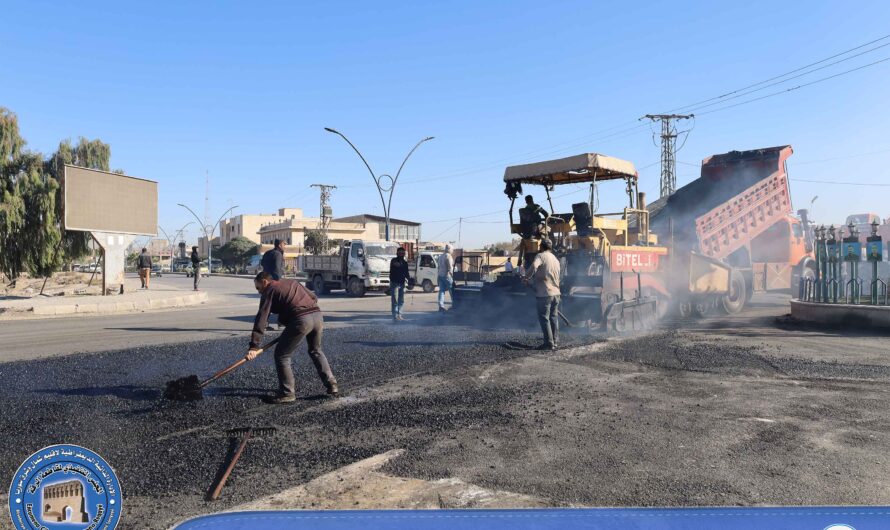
(739, 211)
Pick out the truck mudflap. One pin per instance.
(638, 314)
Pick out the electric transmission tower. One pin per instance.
(669, 148)
(325, 211)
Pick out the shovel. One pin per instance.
(190, 388)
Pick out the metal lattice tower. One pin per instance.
(325, 211)
(668, 149)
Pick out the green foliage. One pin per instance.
(315, 242)
(237, 251)
(32, 238)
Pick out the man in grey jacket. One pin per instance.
(445, 277)
(543, 275)
(144, 266)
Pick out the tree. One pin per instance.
(32, 238)
(12, 206)
(92, 154)
(316, 243)
(238, 251)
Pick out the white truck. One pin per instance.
(362, 265)
(424, 271)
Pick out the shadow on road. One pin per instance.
(128, 392)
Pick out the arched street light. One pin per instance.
(385, 183)
(208, 235)
(172, 241)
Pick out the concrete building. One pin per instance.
(248, 225)
(293, 231)
(399, 229)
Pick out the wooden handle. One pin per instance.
(222, 480)
(239, 362)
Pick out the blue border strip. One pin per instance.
(799, 518)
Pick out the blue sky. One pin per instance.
(243, 91)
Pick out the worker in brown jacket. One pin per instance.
(298, 311)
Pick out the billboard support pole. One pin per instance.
(114, 258)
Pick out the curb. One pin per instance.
(106, 308)
(842, 315)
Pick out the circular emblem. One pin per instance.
(65, 486)
(839, 527)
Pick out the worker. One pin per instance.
(445, 277)
(144, 266)
(196, 267)
(543, 275)
(398, 279)
(297, 308)
(273, 261)
(531, 217)
(508, 266)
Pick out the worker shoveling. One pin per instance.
(191, 388)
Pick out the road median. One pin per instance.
(48, 307)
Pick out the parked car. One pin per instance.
(157, 270)
(255, 265)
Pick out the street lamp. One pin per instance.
(173, 240)
(383, 186)
(209, 235)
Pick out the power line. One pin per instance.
(820, 80)
(786, 73)
(846, 183)
(668, 149)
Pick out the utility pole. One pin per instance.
(325, 211)
(460, 226)
(668, 149)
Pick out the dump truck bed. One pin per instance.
(738, 196)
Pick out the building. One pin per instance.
(293, 231)
(399, 229)
(248, 225)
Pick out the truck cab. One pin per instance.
(425, 271)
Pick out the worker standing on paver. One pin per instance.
(398, 280)
(531, 217)
(446, 277)
(273, 261)
(144, 266)
(543, 275)
(297, 309)
(196, 266)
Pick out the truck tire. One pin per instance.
(735, 300)
(428, 286)
(356, 287)
(318, 285)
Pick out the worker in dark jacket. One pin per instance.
(196, 266)
(273, 261)
(531, 218)
(398, 279)
(297, 308)
(144, 266)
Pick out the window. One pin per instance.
(427, 261)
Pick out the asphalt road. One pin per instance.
(742, 410)
(228, 313)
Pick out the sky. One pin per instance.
(241, 92)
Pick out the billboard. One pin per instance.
(99, 201)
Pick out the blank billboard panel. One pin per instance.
(99, 201)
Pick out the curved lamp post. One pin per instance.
(173, 240)
(209, 235)
(385, 183)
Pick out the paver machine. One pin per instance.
(615, 273)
